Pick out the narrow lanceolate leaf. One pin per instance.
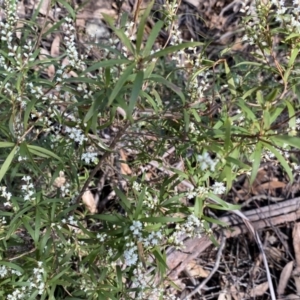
(170, 85)
(142, 23)
(43, 152)
(230, 80)
(281, 159)
(122, 79)
(106, 64)
(256, 161)
(152, 37)
(136, 88)
(7, 163)
(290, 140)
(6, 144)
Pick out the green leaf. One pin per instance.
(230, 81)
(136, 88)
(227, 141)
(161, 261)
(139, 204)
(6, 144)
(152, 37)
(290, 140)
(7, 163)
(198, 207)
(272, 95)
(105, 64)
(173, 87)
(120, 33)
(256, 161)
(25, 221)
(223, 205)
(43, 152)
(292, 117)
(68, 7)
(124, 200)
(282, 161)
(122, 79)
(141, 28)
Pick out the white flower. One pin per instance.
(206, 162)
(3, 271)
(136, 227)
(218, 188)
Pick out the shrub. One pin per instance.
(71, 124)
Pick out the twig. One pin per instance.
(213, 271)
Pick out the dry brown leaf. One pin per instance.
(271, 185)
(60, 180)
(44, 7)
(260, 289)
(284, 277)
(51, 71)
(55, 46)
(125, 170)
(89, 202)
(275, 253)
(196, 270)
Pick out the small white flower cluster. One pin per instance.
(11, 19)
(192, 227)
(5, 194)
(89, 157)
(3, 271)
(193, 128)
(86, 284)
(170, 9)
(28, 189)
(129, 32)
(136, 228)
(65, 189)
(149, 200)
(218, 188)
(101, 236)
(60, 75)
(70, 220)
(198, 86)
(153, 239)
(137, 186)
(199, 191)
(290, 18)
(131, 254)
(85, 91)
(206, 162)
(71, 50)
(36, 283)
(143, 282)
(176, 36)
(76, 134)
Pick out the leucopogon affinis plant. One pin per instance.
(58, 133)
